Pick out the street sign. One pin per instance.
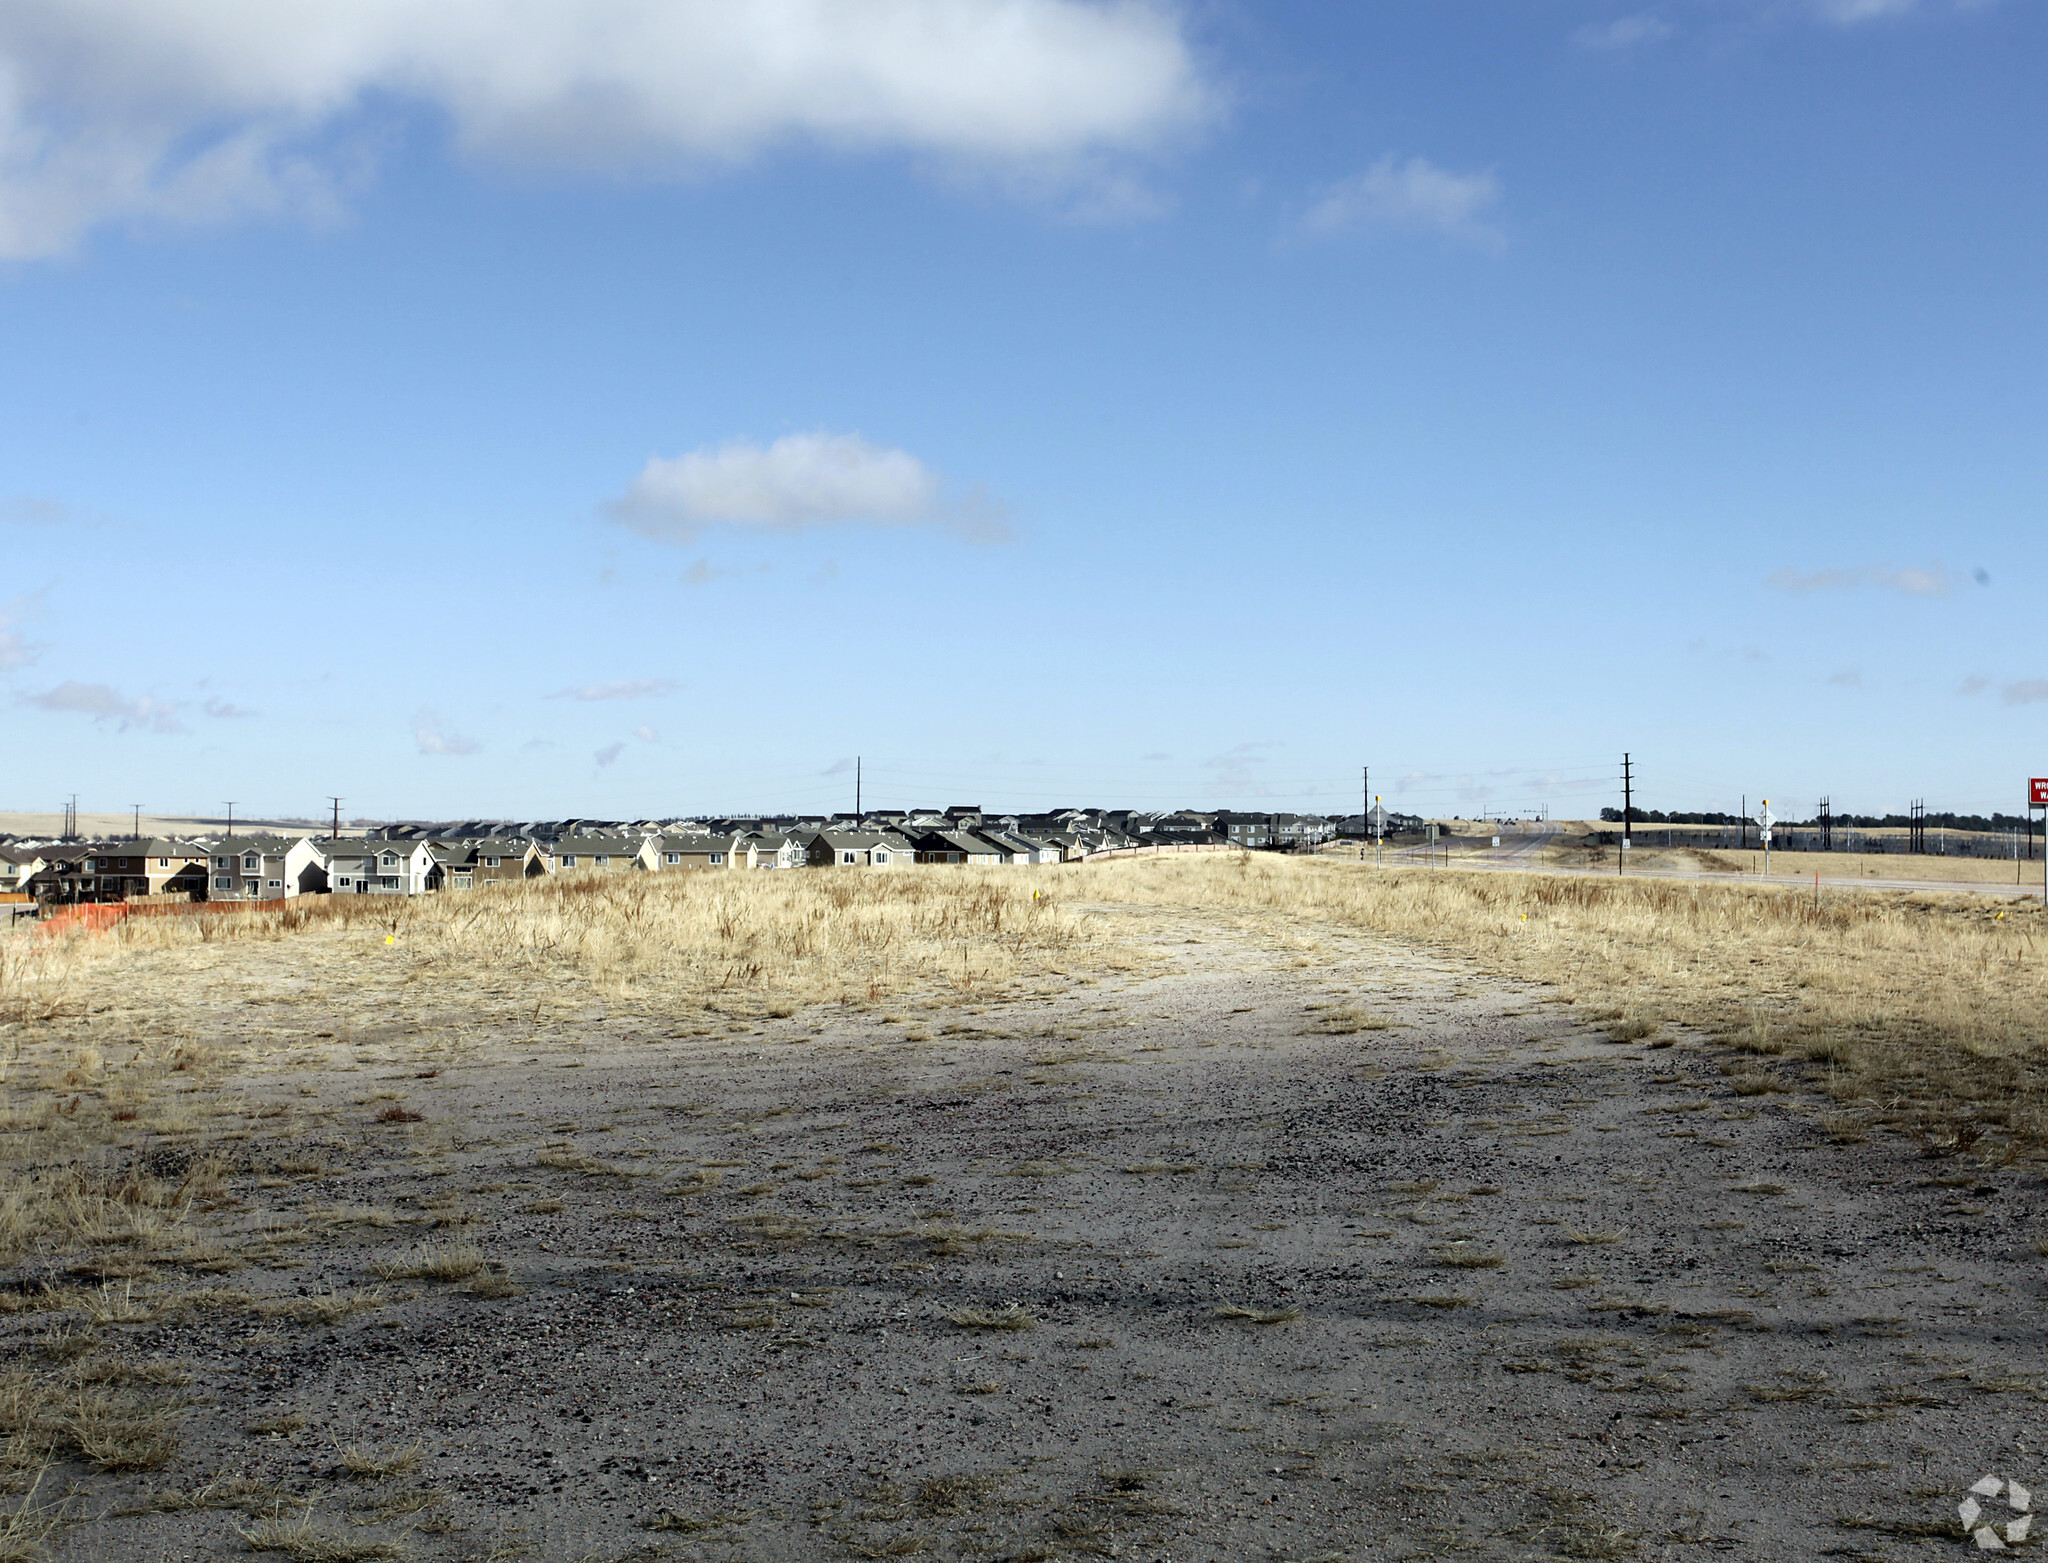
(2037, 791)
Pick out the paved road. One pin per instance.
(1521, 852)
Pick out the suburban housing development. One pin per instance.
(417, 859)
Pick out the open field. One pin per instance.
(1182, 1209)
(1792, 866)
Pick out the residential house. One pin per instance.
(1246, 830)
(1043, 848)
(18, 865)
(62, 879)
(264, 868)
(952, 846)
(857, 849)
(772, 849)
(1014, 853)
(600, 854)
(380, 867)
(497, 860)
(132, 868)
(672, 853)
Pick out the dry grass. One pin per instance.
(1923, 1007)
(367, 1464)
(300, 1541)
(1258, 1315)
(433, 1262)
(1008, 1317)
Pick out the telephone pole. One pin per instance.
(231, 819)
(856, 790)
(1627, 810)
(1745, 822)
(1364, 809)
(138, 822)
(334, 832)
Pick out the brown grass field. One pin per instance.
(260, 1139)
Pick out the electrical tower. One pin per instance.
(1825, 810)
(1916, 826)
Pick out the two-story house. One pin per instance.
(263, 868)
(131, 868)
(377, 867)
(600, 854)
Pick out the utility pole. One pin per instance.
(1916, 827)
(1825, 809)
(1745, 822)
(231, 820)
(1627, 810)
(334, 832)
(856, 790)
(1364, 809)
(138, 822)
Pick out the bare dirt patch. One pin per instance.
(1133, 1263)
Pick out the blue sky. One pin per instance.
(636, 407)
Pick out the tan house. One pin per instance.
(770, 849)
(17, 866)
(601, 854)
(131, 868)
(672, 853)
(490, 860)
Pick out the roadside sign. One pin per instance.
(2037, 791)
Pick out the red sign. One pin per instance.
(2037, 791)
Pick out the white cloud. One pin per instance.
(1411, 196)
(433, 734)
(103, 703)
(1624, 32)
(802, 480)
(619, 689)
(609, 753)
(192, 111)
(1934, 581)
(647, 735)
(16, 650)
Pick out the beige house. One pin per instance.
(130, 868)
(601, 854)
(672, 853)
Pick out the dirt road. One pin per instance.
(1316, 1246)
